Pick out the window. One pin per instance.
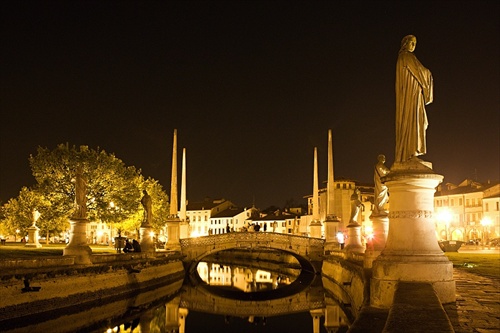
(486, 208)
(452, 202)
(460, 202)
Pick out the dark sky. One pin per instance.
(252, 87)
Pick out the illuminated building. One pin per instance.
(468, 211)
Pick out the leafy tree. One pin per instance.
(113, 190)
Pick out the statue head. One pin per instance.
(381, 158)
(408, 43)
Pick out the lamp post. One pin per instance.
(486, 222)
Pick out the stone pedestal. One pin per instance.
(183, 312)
(147, 243)
(172, 315)
(77, 245)
(316, 314)
(411, 253)
(375, 246)
(353, 241)
(184, 229)
(33, 237)
(173, 234)
(332, 224)
(315, 229)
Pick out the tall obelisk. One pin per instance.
(173, 221)
(315, 226)
(184, 232)
(332, 222)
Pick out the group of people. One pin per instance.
(133, 246)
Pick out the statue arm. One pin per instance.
(422, 75)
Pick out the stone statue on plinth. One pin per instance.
(356, 207)
(414, 90)
(80, 195)
(147, 204)
(381, 192)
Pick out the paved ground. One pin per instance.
(477, 309)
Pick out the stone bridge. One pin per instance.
(305, 295)
(308, 251)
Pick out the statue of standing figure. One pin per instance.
(147, 203)
(356, 206)
(80, 195)
(381, 192)
(414, 90)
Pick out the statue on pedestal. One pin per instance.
(381, 192)
(80, 195)
(356, 207)
(147, 204)
(414, 90)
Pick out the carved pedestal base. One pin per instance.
(411, 253)
(147, 243)
(173, 234)
(353, 241)
(315, 229)
(33, 237)
(77, 245)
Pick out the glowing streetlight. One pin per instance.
(446, 217)
(486, 222)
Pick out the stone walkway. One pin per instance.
(477, 309)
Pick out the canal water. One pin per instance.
(231, 291)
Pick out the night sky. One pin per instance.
(252, 87)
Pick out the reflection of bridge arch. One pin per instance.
(307, 250)
(200, 298)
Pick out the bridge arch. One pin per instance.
(308, 251)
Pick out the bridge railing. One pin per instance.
(196, 248)
(253, 237)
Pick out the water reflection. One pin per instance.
(229, 292)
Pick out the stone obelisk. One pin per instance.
(173, 221)
(184, 231)
(315, 225)
(332, 222)
(77, 245)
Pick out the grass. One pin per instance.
(485, 264)
(20, 251)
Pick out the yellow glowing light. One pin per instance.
(486, 221)
(368, 230)
(152, 234)
(444, 216)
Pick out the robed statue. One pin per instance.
(414, 90)
(146, 204)
(381, 191)
(356, 207)
(80, 195)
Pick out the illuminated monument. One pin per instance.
(77, 245)
(411, 253)
(173, 220)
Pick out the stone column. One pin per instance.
(315, 225)
(183, 312)
(316, 315)
(173, 220)
(412, 253)
(77, 245)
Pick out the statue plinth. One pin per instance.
(411, 253)
(315, 229)
(353, 241)
(173, 233)
(77, 245)
(147, 243)
(33, 237)
(184, 229)
(332, 224)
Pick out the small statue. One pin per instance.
(356, 207)
(146, 203)
(381, 192)
(36, 215)
(80, 195)
(414, 90)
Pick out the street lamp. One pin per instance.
(446, 217)
(486, 222)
